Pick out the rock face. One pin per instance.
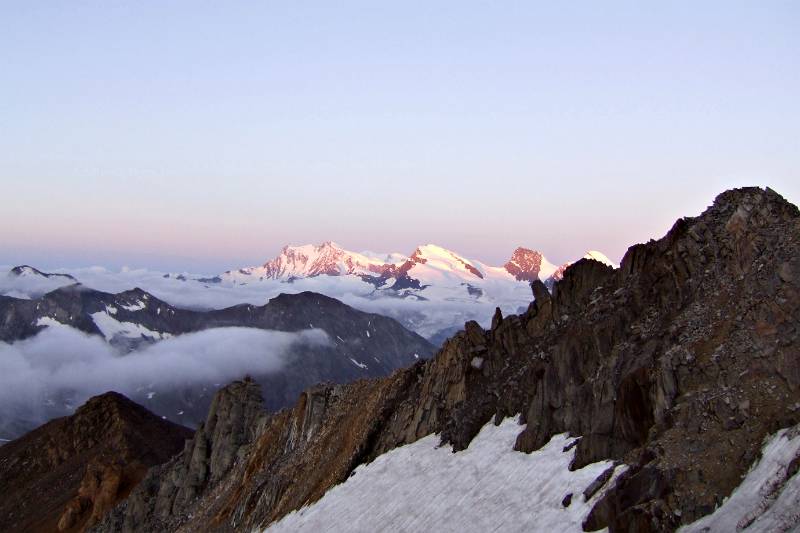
(524, 264)
(678, 363)
(66, 475)
(235, 417)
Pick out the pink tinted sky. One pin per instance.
(185, 138)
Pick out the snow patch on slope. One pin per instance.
(546, 269)
(768, 498)
(138, 305)
(48, 321)
(359, 365)
(111, 327)
(487, 487)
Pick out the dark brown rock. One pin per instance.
(648, 364)
(524, 264)
(567, 501)
(598, 483)
(497, 319)
(68, 474)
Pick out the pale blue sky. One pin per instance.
(205, 135)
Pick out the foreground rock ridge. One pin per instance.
(67, 474)
(679, 364)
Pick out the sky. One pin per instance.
(202, 136)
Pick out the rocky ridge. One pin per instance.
(67, 474)
(679, 364)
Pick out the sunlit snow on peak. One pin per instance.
(600, 256)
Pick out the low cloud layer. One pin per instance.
(62, 362)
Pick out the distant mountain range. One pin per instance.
(447, 289)
(433, 291)
(659, 395)
(428, 266)
(347, 295)
(662, 395)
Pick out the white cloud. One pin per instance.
(63, 361)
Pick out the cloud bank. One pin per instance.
(38, 374)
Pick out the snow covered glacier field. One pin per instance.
(487, 487)
(491, 487)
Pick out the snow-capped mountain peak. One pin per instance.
(594, 255)
(27, 271)
(441, 259)
(25, 281)
(431, 291)
(600, 256)
(429, 264)
(431, 277)
(311, 260)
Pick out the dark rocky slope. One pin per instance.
(679, 363)
(69, 473)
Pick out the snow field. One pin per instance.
(487, 487)
(768, 499)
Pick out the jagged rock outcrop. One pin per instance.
(235, 417)
(524, 264)
(678, 363)
(66, 475)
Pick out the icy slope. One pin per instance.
(487, 487)
(768, 498)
